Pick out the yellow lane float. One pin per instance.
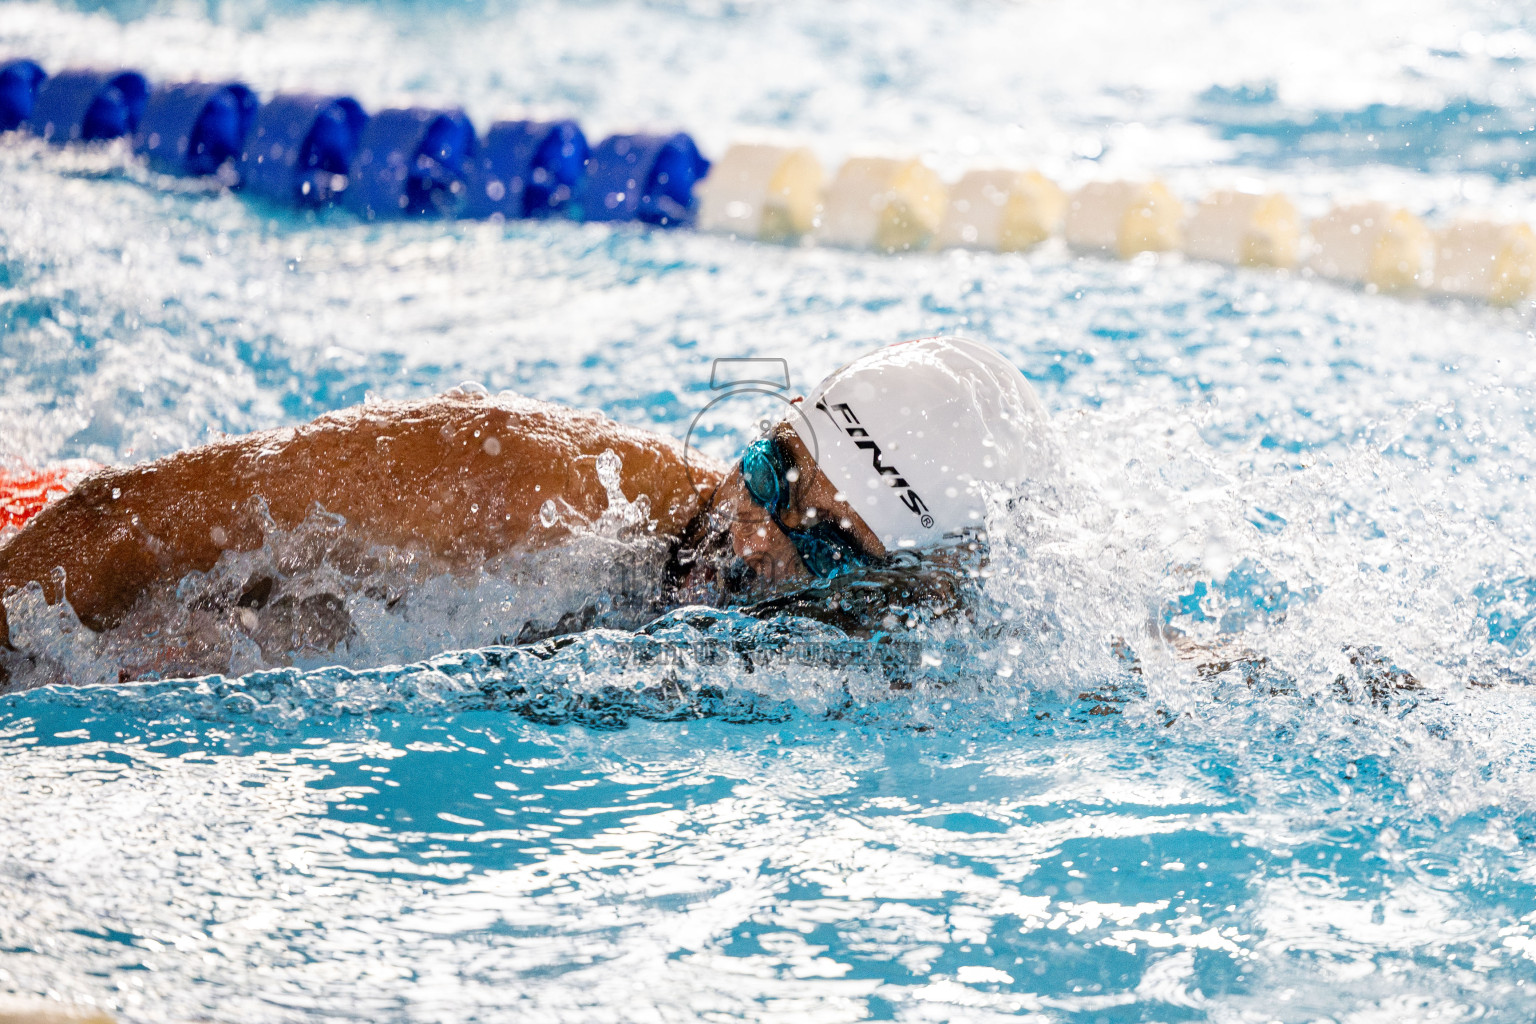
(774, 193)
(1001, 210)
(1479, 259)
(1372, 244)
(759, 191)
(19, 1010)
(1244, 230)
(1123, 218)
(883, 204)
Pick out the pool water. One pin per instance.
(714, 818)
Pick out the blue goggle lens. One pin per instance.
(822, 548)
(764, 473)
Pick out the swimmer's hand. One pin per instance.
(878, 600)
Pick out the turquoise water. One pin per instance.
(711, 818)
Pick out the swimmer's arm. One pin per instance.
(459, 479)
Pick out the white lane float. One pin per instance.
(1372, 244)
(760, 191)
(1001, 210)
(1243, 229)
(882, 204)
(1479, 259)
(1123, 218)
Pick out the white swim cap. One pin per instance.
(915, 434)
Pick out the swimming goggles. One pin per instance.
(824, 549)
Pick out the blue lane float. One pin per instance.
(648, 178)
(301, 149)
(310, 150)
(525, 169)
(19, 80)
(87, 106)
(411, 163)
(194, 129)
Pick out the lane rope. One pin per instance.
(305, 150)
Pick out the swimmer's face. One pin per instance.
(761, 543)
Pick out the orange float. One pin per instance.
(24, 491)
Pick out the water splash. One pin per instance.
(1171, 766)
(319, 595)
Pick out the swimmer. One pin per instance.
(897, 451)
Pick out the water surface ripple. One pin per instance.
(721, 819)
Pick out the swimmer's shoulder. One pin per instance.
(399, 427)
(452, 407)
